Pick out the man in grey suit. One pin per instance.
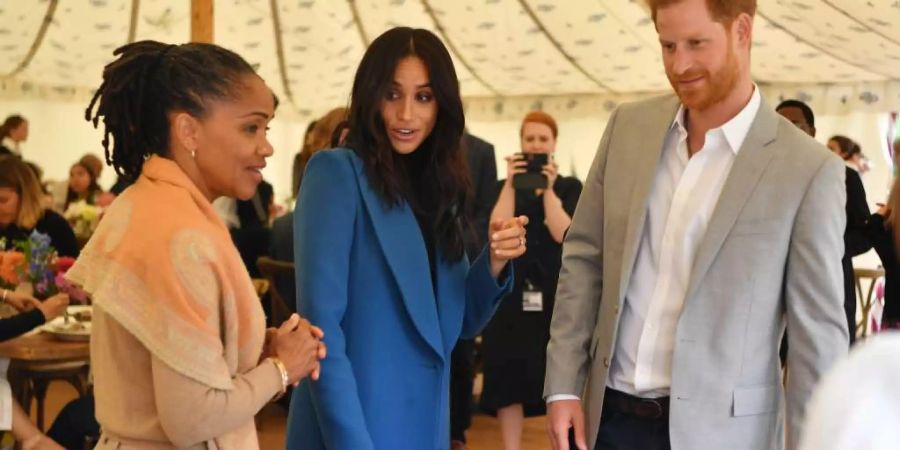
(707, 224)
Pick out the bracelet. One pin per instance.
(282, 370)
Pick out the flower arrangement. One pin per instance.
(83, 217)
(35, 262)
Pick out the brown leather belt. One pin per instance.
(646, 408)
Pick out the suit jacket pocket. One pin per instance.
(755, 400)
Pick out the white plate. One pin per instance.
(70, 333)
(73, 330)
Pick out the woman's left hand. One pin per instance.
(507, 242)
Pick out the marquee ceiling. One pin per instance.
(307, 50)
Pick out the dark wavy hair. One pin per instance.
(445, 195)
(149, 79)
(11, 123)
(92, 190)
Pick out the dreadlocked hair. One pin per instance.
(148, 80)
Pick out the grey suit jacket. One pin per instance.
(771, 257)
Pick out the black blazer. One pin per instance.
(483, 172)
(856, 240)
(252, 236)
(62, 238)
(282, 249)
(20, 324)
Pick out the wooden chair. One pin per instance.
(865, 301)
(33, 379)
(272, 270)
(261, 286)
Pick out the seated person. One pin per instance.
(33, 313)
(22, 210)
(83, 184)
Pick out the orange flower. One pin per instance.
(9, 262)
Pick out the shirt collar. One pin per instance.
(10, 144)
(736, 129)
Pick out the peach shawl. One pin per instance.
(163, 265)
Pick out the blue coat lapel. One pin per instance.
(401, 241)
(451, 300)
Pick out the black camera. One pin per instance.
(533, 178)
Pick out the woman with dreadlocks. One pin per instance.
(177, 347)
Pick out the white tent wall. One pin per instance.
(58, 136)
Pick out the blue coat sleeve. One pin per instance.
(483, 294)
(323, 235)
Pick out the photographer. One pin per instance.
(515, 342)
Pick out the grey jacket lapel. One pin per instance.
(746, 172)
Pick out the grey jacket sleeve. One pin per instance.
(578, 293)
(813, 289)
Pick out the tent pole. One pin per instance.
(202, 21)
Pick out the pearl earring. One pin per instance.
(193, 153)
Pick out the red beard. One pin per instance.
(714, 87)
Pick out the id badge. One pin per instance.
(532, 301)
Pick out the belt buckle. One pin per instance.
(655, 411)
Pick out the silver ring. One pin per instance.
(521, 241)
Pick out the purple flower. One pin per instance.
(75, 293)
(40, 241)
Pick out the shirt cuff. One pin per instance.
(558, 397)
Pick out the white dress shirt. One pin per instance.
(682, 200)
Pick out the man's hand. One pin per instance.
(562, 415)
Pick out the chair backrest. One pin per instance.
(261, 286)
(272, 269)
(865, 300)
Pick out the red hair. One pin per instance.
(542, 118)
(722, 11)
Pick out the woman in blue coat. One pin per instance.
(380, 260)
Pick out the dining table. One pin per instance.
(36, 359)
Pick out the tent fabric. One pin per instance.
(841, 55)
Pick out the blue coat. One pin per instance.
(363, 276)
